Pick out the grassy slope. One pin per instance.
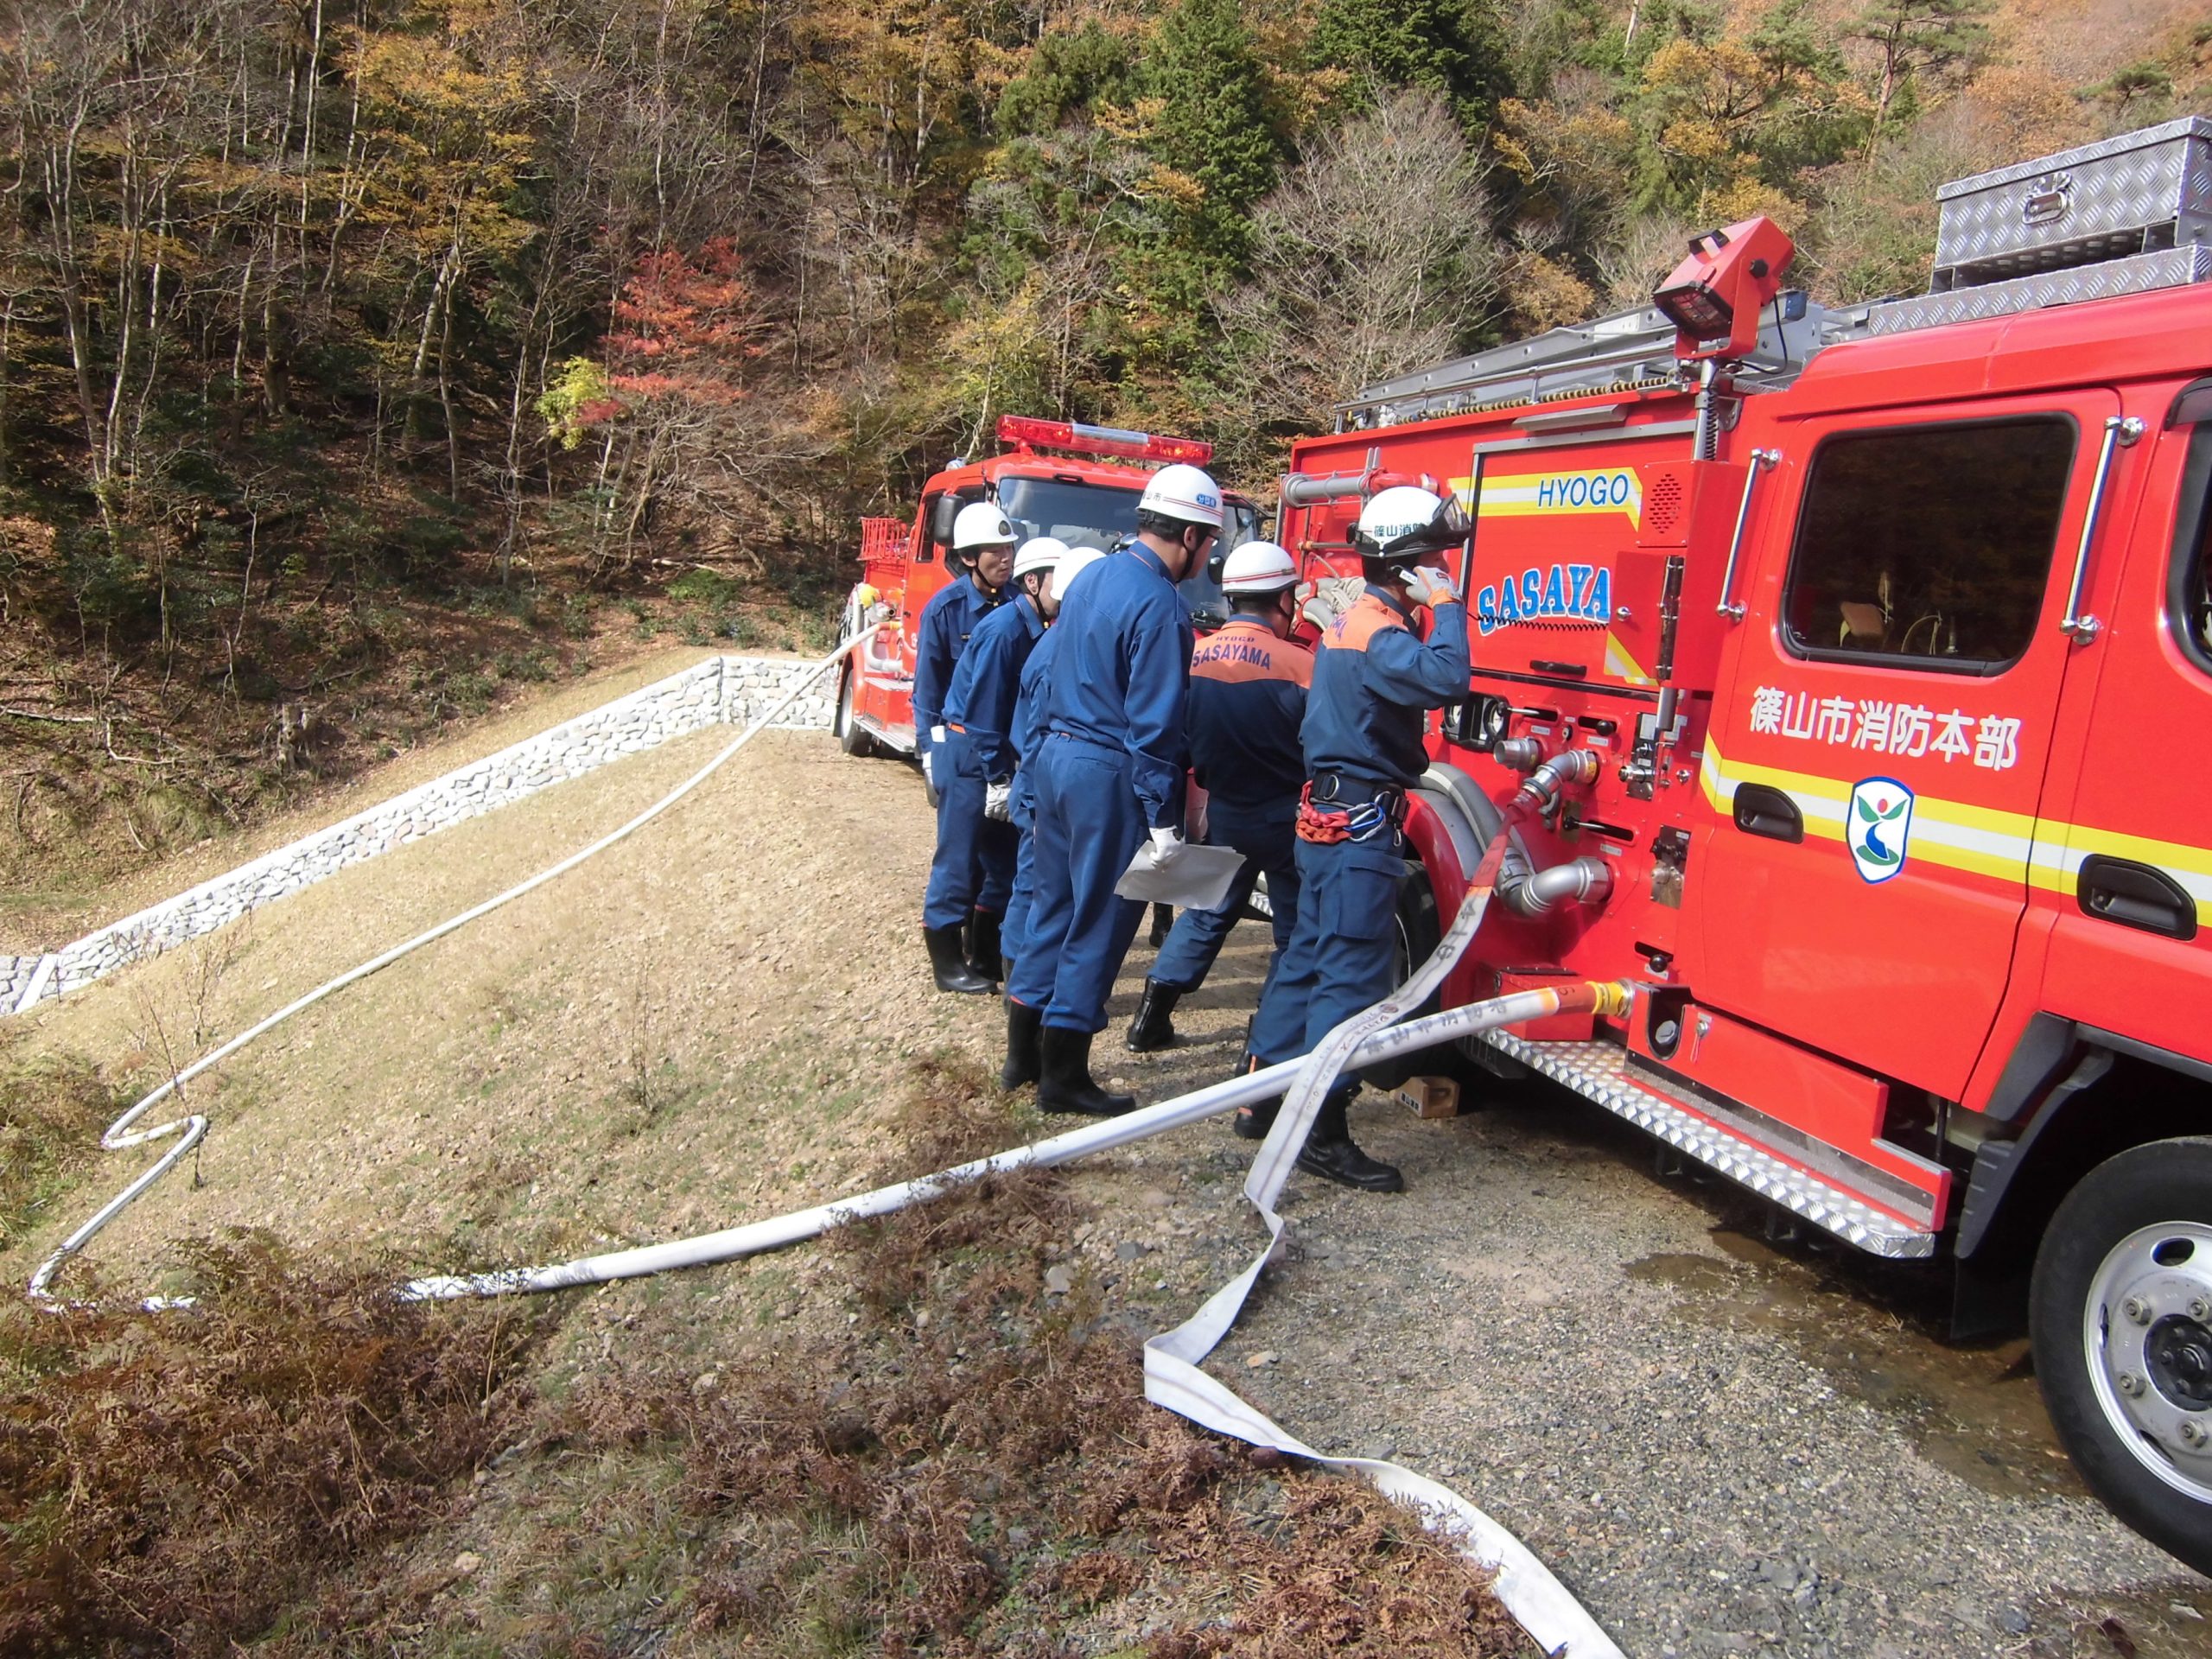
(719, 1021)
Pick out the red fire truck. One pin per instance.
(1892, 626)
(1051, 478)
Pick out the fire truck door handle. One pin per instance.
(1763, 811)
(1733, 610)
(2135, 895)
(2121, 430)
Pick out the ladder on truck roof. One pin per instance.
(1629, 351)
(2125, 215)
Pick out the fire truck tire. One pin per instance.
(2121, 1318)
(852, 736)
(1419, 931)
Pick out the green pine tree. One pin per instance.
(1912, 38)
(1065, 78)
(1455, 48)
(1213, 125)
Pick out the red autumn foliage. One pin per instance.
(684, 330)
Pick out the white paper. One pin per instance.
(1198, 881)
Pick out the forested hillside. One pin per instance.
(360, 356)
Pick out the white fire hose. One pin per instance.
(1524, 1586)
(192, 1129)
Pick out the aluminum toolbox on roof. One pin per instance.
(2141, 192)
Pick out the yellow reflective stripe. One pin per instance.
(2175, 858)
(1622, 666)
(1543, 494)
(2009, 846)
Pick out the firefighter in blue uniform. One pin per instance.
(1109, 769)
(1025, 1019)
(972, 874)
(1374, 680)
(1247, 701)
(979, 734)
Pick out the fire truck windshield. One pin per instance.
(1100, 515)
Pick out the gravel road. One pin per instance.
(1723, 1445)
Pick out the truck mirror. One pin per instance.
(943, 511)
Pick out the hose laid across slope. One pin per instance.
(1524, 1586)
(1527, 1589)
(192, 1129)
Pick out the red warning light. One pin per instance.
(1079, 439)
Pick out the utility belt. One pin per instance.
(1333, 808)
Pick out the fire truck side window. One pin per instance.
(1932, 543)
(2190, 601)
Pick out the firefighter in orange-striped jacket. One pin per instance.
(1247, 701)
(1374, 680)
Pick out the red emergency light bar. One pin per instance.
(1084, 440)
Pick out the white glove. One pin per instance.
(1430, 585)
(1168, 846)
(929, 772)
(998, 801)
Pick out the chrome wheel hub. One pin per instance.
(2147, 1332)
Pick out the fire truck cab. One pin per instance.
(1891, 627)
(1051, 478)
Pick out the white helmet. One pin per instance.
(1258, 567)
(1037, 553)
(980, 524)
(1075, 562)
(1407, 521)
(1183, 493)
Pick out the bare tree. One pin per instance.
(1375, 256)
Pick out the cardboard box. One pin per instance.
(1429, 1096)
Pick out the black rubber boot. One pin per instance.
(1024, 1025)
(983, 944)
(1330, 1154)
(1163, 923)
(952, 973)
(1066, 1085)
(1253, 1123)
(1152, 1029)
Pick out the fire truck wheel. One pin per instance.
(2121, 1319)
(852, 736)
(1419, 931)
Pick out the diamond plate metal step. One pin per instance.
(899, 737)
(1598, 1071)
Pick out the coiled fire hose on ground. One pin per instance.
(1524, 1586)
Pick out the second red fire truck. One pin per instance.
(1051, 478)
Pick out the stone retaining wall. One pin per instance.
(724, 691)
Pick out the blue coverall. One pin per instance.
(1247, 701)
(1374, 679)
(1031, 981)
(976, 871)
(1110, 769)
(948, 621)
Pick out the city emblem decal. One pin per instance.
(1878, 826)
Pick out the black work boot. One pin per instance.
(1330, 1154)
(1066, 1085)
(1253, 1123)
(983, 944)
(1152, 1029)
(1024, 1027)
(952, 973)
